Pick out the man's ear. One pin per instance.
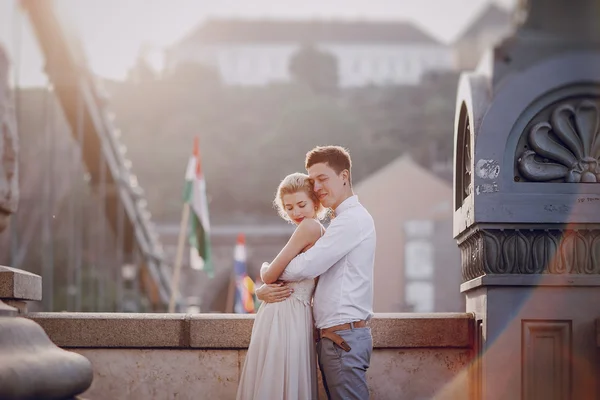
(345, 174)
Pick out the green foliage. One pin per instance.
(315, 68)
(251, 137)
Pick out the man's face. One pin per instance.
(328, 185)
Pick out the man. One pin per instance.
(343, 259)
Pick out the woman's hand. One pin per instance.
(274, 292)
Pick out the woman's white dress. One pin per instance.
(281, 359)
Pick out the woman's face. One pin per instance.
(299, 206)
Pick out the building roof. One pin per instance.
(404, 183)
(490, 16)
(236, 31)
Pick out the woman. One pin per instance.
(281, 362)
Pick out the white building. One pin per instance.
(258, 52)
(486, 30)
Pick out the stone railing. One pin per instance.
(173, 356)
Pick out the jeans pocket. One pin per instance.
(362, 334)
(337, 351)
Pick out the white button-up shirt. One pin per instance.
(344, 259)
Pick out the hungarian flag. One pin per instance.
(199, 224)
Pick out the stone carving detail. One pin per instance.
(464, 155)
(565, 147)
(9, 192)
(498, 251)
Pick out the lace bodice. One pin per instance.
(303, 290)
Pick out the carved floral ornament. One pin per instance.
(566, 148)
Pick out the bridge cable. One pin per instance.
(101, 264)
(78, 199)
(47, 200)
(16, 104)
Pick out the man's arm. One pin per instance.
(341, 237)
(273, 293)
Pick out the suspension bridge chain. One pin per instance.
(85, 107)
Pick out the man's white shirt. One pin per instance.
(343, 258)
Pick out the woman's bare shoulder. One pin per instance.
(310, 227)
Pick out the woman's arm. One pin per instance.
(306, 234)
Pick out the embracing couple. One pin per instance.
(327, 274)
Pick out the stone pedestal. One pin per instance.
(536, 336)
(527, 205)
(31, 366)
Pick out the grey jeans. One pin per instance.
(344, 373)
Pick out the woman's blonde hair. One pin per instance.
(294, 183)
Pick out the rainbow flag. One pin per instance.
(244, 285)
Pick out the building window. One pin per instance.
(418, 228)
(418, 259)
(420, 296)
(419, 293)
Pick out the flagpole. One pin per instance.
(230, 293)
(185, 215)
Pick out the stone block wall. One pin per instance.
(183, 356)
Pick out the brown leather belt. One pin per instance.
(329, 333)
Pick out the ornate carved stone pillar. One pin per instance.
(527, 204)
(31, 366)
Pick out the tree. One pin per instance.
(142, 72)
(315, 68)
(193, 75)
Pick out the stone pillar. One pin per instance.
(527, 205)
(31, 366)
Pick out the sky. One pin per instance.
(113, 31)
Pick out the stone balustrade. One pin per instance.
(31, 365)
(18, 286)
(181, 356)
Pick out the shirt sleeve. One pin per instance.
(341, 237)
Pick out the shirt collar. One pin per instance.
(346, 204)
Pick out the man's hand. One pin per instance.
(274, 292)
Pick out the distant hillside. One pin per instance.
(252, 137)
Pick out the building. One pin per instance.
(417, 262)
(486, 30)
(258, 52)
